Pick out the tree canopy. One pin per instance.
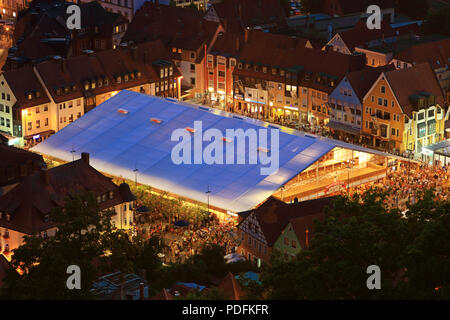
(84, 237)
(412, 252)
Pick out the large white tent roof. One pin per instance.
(118, 144)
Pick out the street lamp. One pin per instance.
(73, 153)
(207, 194)
(135, 175)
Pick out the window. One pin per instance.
(46, 122)
(45, 108)
(294, 244)
(286, 241)
(38, 124)
(37, 109)
(30, 126)
(383, 89)
(380, 101)
(385, 102)
(373, 99)
(193, 81)
(192, 67)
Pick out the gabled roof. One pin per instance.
(362, 80)
(47, 189)
(22, 81)
(414, 80)
(436, 53)
(360, 35)
(231, 288)
(274, 218)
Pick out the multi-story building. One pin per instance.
(362, 39)
(404, 109)
(221, 60)
(41, 33)
(41, 100)
(436, 53)
(10, 8)
(261, 229)
(188, 36)
(27, 107)
(47, 189)
(289, 84)
(17, 164)
(346, 102)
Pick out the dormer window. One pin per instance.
(125, 78)
(38, 94)
(99, 83)
(30, 95)
(111, 195)
(105, 81)
(8, 217)
(104, 197)
(74, 87)
(6, 234)
(66, 90)
(93, 84)
(47, 218)
(86, 85)
(99, 199)
(118, 79)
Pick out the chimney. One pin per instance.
(246, 35)
(45, 176)
(85, 157)
(141, 291)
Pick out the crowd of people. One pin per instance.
(405, 181)
(182, 242)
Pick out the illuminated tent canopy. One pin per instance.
(131, 133)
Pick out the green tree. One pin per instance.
(84, 237)
(412, 252)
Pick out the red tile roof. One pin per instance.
(360, 35)
(13, 158)
(313, 61)
(22, 81)
(436, 53)
(273, 219)
(33, 197)
(362, 80)
(411, 81)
